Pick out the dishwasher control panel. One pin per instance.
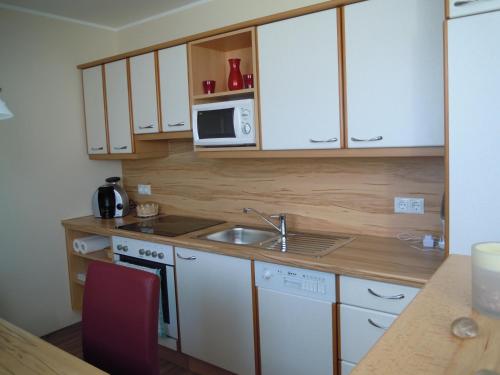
(307, 283)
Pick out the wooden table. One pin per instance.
(23, 353)
(420, 341)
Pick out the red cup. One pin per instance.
(248, 81)
(208, 86)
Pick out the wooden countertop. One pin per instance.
(420, 341)
(23, 353)
(386, 259)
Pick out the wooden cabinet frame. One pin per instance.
(255, 152)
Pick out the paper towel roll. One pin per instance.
(76, 245)
(90, 244)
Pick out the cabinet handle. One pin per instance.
(97, 148)
(147, 126)
(398, 296)
(331, 140)
(176, 124)
(377, 325)
(120, 148)
(465, 2)
(374, 139)
(185, 258)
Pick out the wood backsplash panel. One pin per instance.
(339, 195)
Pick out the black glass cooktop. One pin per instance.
(171, 225)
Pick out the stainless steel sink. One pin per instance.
(307, 244)
(241, 236)
(298, 243)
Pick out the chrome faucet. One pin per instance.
(282, 220)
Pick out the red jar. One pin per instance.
(235, 80)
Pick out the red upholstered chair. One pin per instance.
(120, 319)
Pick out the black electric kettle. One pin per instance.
(110, 200)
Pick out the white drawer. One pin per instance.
(391, 298)
(360, 329)
(460, 8)
(346, 367)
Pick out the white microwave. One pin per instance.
(229, 123)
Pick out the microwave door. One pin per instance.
(216, 126)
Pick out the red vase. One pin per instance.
(235, 80)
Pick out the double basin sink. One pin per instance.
(298, 243)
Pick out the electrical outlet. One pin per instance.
(144, 189)
(409, 205)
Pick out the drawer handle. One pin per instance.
(97, 148)
(374, 139)
(331, 140)
(376, 325)
(465, 2)
(185, 258)
(147, 126)
(398, 296)
(120, 148)
(176, 124)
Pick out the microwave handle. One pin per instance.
(194, 116)
(236, 120)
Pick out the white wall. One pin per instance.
(45, 174)
(202, 17)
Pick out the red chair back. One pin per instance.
(120, 319)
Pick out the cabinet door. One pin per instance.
(299, 82)
(174, 89)
(474, 126)
(394, 73)
(460, 8)
(377, 295)
(215, 309)
(143, 89)
(93, 99)
(360, 329)
(120, 137)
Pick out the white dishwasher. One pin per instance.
(295, 320)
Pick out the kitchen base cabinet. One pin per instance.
(367, 310)
(215, 309)
(360, 329)
(458, 8)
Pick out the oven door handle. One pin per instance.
(185, 258)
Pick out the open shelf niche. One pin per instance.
(208, 60)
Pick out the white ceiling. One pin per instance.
(110, 14)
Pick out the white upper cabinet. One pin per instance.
(394, 73)
(299, 82)
(95, 122)
(120, 137)
(174, 93)
(458, 8)
(143, 89)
